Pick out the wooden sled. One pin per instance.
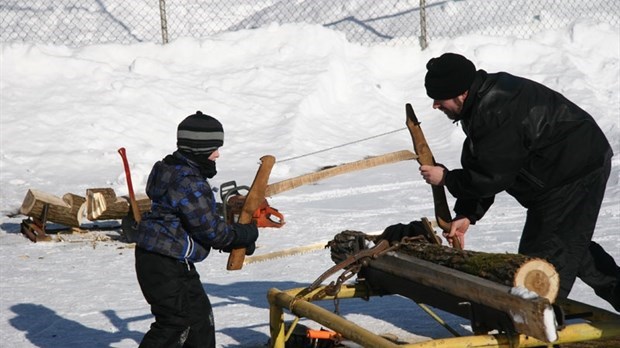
(515, 321)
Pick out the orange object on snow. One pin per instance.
(322, 334)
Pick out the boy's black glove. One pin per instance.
(395, 233)
(129, 229)
(249, 250)
(219, 209)
(245, 237)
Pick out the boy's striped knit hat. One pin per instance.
(200, 134)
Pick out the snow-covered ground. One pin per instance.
(285, 90)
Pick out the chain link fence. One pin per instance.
(84, 22)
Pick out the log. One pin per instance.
(103, 204)
(531, 316)
(514, 270)
(68, 210)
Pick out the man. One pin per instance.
(181, 228)
(539, 147)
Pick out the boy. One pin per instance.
(181, 229)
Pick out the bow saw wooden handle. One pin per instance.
(425, 157)
(255, 197)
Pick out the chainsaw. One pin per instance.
(232, 205)
(232, 199)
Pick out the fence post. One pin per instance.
(423, 38)
(164, 21)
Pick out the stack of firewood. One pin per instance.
(73, 210)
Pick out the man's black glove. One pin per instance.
(245, 237)
(395, 233)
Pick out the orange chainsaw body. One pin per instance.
(264, 215)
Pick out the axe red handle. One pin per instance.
(132, 198)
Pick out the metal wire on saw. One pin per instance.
(341, 145)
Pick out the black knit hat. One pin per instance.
(199, 134)
(448, 76)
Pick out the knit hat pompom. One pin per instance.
(199, 134)
(448, 76)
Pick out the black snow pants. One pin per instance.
(183, 313)
(559, 228)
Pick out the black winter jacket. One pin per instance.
(522, 138)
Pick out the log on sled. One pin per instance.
(489, 305)
(507, 292)
(514, 270)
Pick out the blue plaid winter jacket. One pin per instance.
(183, 222)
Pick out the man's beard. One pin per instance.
(454, 115)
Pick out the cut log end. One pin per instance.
(68, 210)
(539, 276)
